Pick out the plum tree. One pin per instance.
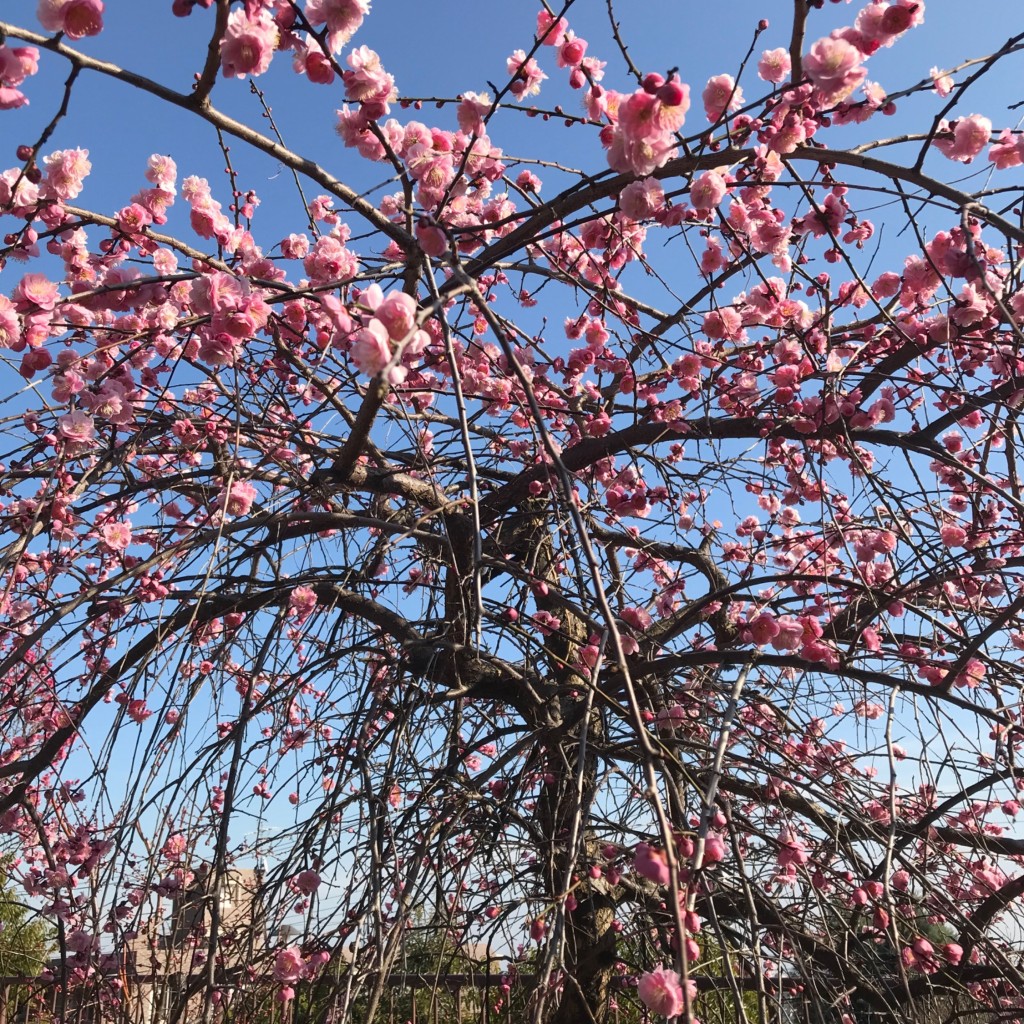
(618, 546)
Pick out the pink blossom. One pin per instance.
(16, 64)
(432, 239)
(174, 847)
(763, 629)
(329, 260)
(714, 849)
(661, 991)
(921, 955)
(953, 536)
(471, 112)
(721, 94)
(76, 427)
(546, 623)
(834, 68)
(550, 31)
(79, 941)
(75, 18)
(774, 65)
(302, 603)
(723, 324)
(289, 964)
(641, 200)
(342, 18)
(671, 718)
(708, 191)
(570, 51)
(791, 634)
(118, 535)
(526, 75)
(218, 349)
(528, 181)
(792, 850)
(295, 246)
(133, 218)
(943, 82)
(162, 171)
(868, 709)
(309, 60)
(10, 325)
(137, 711)
(397, 312)
(66, 170)
(637, 618)
(970, 135)
(206, 217)
(238, 499)
(35, 292)
(371, 348)
(248, 45)
(640, 156)
(1007, 151)
(368, 83)
(637, 115)
(672, 106)
(307, 882)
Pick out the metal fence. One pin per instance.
(175, 999)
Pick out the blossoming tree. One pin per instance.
(624, 563)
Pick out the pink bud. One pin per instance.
(671, 93)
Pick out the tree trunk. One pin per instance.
(589, 951)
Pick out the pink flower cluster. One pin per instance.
(16, 64)
(368, 84)
(1007, 150)
(792, 854)
(392, 326)
(307, 882)
(721, 95)
(66, 171)
(329, 260)
(302, 603)
(291, 965)
(924, 957)
(207, 217)
(642, 200)
(433, 157)
(236, 311)
(640, 139)
(834, 65)
(342, 18)
(161, 172)
(570, 52)
(525, 73)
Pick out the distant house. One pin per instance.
(162, 968)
